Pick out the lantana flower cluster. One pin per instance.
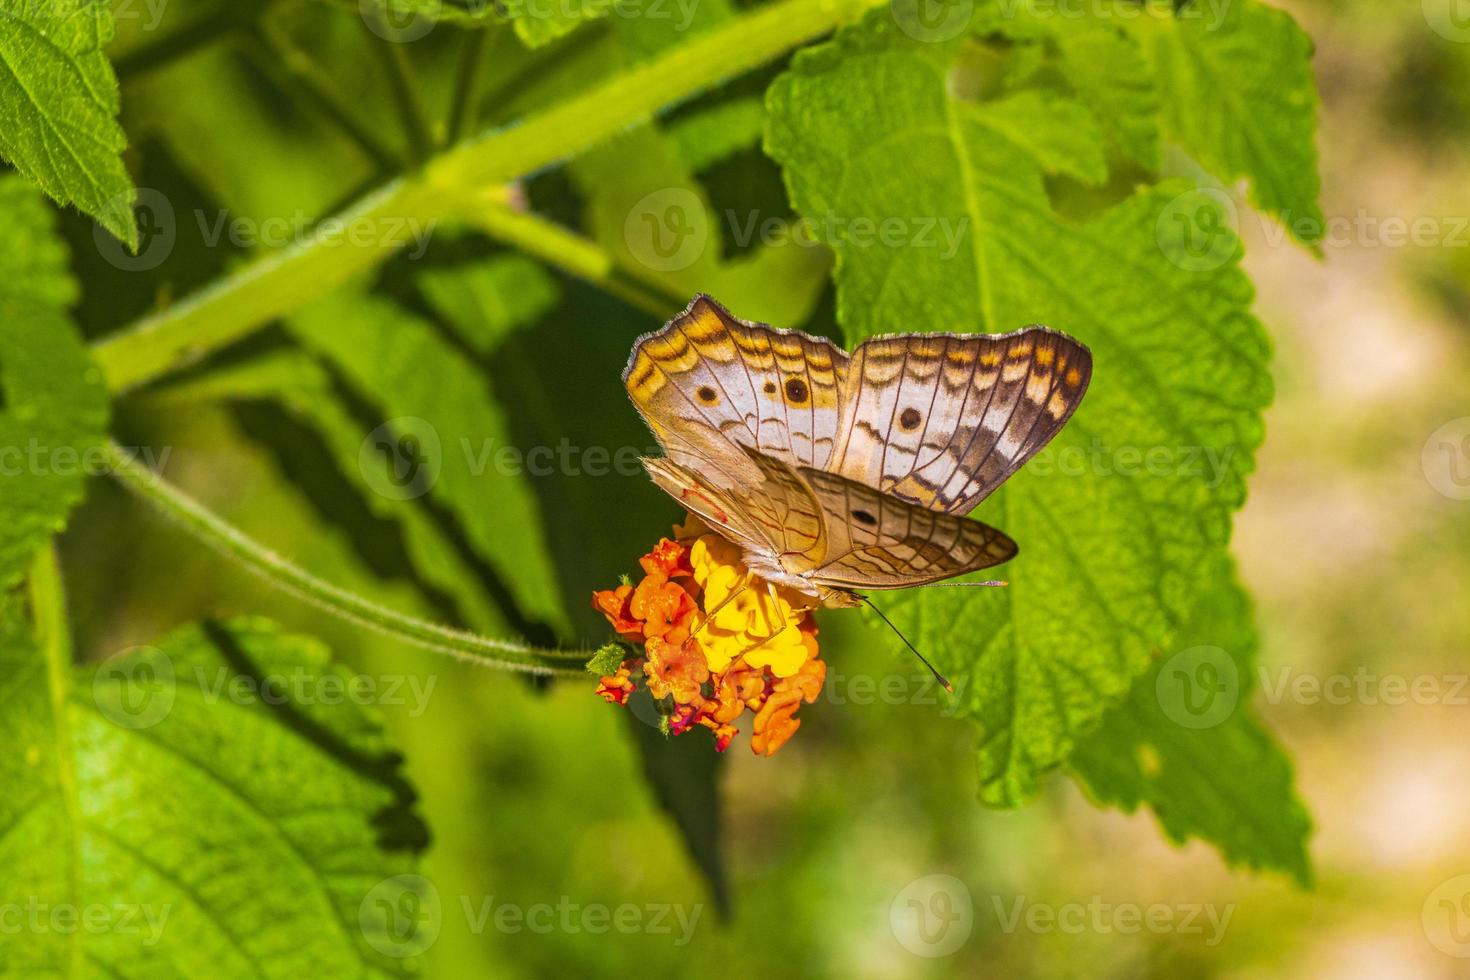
(711, 642)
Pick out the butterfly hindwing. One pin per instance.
(944, 419)
(879, 541)
(709, 381)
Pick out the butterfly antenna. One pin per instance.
(964, 585)
(937, 675)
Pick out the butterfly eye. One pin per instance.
(910, 418)
(863, 517)
(707, 395)
(796, 390)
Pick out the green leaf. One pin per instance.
(446, 438)
(59, 106)
(484, 301)
(53, 408)
(300, 385)
(608, 658)
(218, 831)
(706, 137)
(647, 209)
(1111, 547)
(1239, 95)
(1187, 743)
(538, 22)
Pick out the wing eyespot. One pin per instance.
(864, 517)
(796, 390)
(909, 419)
(707, 395)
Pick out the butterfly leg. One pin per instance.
(745, 584)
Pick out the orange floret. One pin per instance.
(717, 641)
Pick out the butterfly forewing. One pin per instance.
(944, 419)
(846, 473)
(709, 380)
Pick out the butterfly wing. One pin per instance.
(877, 540)
(944, 419)
(717, 508)
(709, 382)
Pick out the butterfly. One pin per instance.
(837, 472)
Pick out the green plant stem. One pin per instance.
(462, 106)
(173, 46)
(53, 638)
(289, 577)
(406, 97)
(581, 257)
(280, 283)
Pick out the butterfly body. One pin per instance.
(837, 472)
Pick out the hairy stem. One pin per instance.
(281, 282)
(289, 577)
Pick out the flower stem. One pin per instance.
(289, 577)
(279, 283)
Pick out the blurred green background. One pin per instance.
(536, 794)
